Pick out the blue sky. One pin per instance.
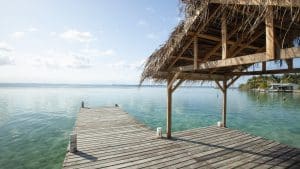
(81, 41)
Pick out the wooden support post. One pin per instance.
(270, 39)
(290, 64)
(264, 66)
(169, 109)
(82, 104)
(224, 111)
(224, 37)
(195, 53)
(73, 143)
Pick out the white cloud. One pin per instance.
(109, 52)
(142, 23)
(6, 52)
(18, 35)
(52, 33)
(152, 36)
(55, 60)
(5, 47)
(150, 10)
(32, 29)
(96, 52)
(124, 65)
(74, 35)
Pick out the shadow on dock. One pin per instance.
(86, 156)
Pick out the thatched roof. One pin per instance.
(246, 31)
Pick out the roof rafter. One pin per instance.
(191, 40)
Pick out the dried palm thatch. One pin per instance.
(244, 20)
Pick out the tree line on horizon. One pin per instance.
(264, 82)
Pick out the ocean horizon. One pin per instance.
(72, 85)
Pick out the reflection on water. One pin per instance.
(35, 122)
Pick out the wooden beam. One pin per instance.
(219, 85)
(191, 40)
(236, 52)
(177, 85)
(270, 35)
(287, 53)
(188, 58)
(193, 76)
(169, 109)
(233, 80)
(278, 71)
(283, 3)
(195, 53)
(173, 79)
(224, 37)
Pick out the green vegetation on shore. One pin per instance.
(263, 82)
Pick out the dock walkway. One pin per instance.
(110, 138)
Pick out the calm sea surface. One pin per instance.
(35, 121)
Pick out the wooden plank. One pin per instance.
(287, 53)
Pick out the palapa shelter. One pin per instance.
(220, 39)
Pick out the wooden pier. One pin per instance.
(110, 138)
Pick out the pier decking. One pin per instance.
(110, 138)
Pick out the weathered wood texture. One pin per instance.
(110, 138)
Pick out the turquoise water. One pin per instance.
(35, 122)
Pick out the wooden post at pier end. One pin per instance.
(82, 104)
(73, 143)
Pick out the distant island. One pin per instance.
(269, 82)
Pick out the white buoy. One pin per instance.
(159, 132)
(73, 143)
(219, 124)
